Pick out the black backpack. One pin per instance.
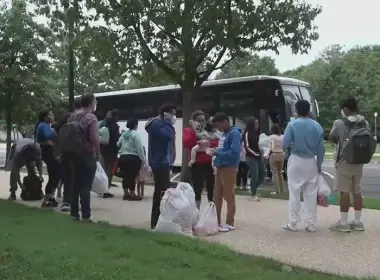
(72, 138)
(33, 188)
(358, 145)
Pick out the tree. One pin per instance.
(210, 34)
(249, 65)
(25, 79)
(335, 74)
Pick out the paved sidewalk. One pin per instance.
(258, 231)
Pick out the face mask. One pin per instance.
(173, 119)
(343, 114)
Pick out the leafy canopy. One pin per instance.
(207, 34)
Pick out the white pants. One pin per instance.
(302, 176)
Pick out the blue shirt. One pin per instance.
(44, 132)
(228, 152)
(305, 136)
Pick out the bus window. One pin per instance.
(307, 95)
(293, 89)
(239, 104)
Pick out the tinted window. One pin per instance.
(307, 95)
(293, 89)
(240, 104)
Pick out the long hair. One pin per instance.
(275, 129)
(250, 129)
(41, 118)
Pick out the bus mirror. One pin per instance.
(278, 92)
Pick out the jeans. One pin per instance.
(242, 174)
(257, 168)
(203, 174)
(52, 165)
(67, 170)
(161, 178)
(84, 173)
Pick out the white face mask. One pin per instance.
(173, 119)
(343, 114)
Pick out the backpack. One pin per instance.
(358, 145)
(33, 188)
(72, 137)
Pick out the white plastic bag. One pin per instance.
(264, 144)
(175, 214)
(323, 188)
(100, 183)
(189, 193)
(208, 222)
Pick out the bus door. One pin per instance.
(290, 102)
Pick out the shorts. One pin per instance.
(347, 178)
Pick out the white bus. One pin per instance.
(270, 99)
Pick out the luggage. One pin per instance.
(32, 188)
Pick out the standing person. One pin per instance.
(24, 152)
(161, 134)
(253, 155)
(45, 136)
(131, 157)
(348, 175)
(242, 174)
(227, 157)
(276, 157)
(79, 137)
(306, 138)
(109, 151)
(202, 172)
(66, 161)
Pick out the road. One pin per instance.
(370, 180)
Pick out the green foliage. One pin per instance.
(336, 74)
(206, 34)
(249, 65)
(25, 77)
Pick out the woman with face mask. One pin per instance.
(202, 173)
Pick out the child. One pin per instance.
(276, 158)
(204, 136)
(143, 175)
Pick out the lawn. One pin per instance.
(40, 244)
(369, 203)
(330, 148)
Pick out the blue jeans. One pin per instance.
(257, 168)
(84, 169)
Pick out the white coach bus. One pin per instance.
(270, 99)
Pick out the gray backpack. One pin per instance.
(358, 145)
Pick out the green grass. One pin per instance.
(369, 203)
(330, 148)
(40, 244)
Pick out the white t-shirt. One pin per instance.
(276, 143)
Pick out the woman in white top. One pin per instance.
(276, 158)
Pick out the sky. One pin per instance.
(344, 22)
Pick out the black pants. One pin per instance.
(203, 174)
(108, 163)
(67, 174)
(129, 166)
(52, 165)
(242, 174)
(161, 177)
(84, 168)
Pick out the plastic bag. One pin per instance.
(189, 193)
(175, 214)
(264, 144)
(100, 183)
(208, 222)
(323, 188)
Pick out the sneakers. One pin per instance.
(226, 228)
(256, 198)
(357, 226)
(12, 196)
(310, 228)
(339, 227)
(108, 195)
(65, 207)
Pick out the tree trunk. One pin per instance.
(8, 114)
(187, 109)
(70, 58)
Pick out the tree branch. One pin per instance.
(171, 36)
(156, 60)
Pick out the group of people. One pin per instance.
(218, 154)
